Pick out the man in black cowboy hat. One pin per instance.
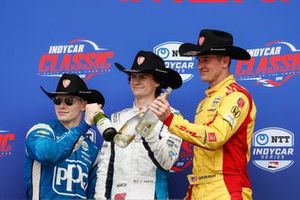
(224, 122)
(60, 161)
(139, 171)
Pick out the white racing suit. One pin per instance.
(139, 171)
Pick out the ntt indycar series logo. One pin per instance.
(168, 51)
(270, 66)
(273, 149)
(83, 57)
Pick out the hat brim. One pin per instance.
(170, 79)
(167, 76)
(237, 53)
(128, 71)
(91, 96)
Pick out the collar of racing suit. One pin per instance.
(215, 88)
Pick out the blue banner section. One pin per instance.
(40, 40)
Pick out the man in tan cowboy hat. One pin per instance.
(224, 122)
(60, 161)
(140, 170)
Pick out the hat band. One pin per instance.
(218, 49)
(159, 70)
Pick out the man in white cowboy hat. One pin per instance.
(140, 171)
(60, 162)
(224, 122)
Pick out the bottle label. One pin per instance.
(123, 140)
(103, 124)
(144, 128)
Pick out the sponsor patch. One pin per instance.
(235, 110)
(42, 132)
(241, 102)
(211, 136)
(229, 118)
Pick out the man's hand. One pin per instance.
(161, 107)
(90, 111)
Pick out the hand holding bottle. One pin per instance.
(90, 111)
(161, 107)
(150, 118)
(105, 127)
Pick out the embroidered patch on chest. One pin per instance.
(214, 104)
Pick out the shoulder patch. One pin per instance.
(42, 132)
(41, 129)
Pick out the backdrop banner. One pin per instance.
(40, 40)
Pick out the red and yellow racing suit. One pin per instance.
(221, 135)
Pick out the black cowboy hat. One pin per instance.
(148, 62)
(72, 84)
(214, 42)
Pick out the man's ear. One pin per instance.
(84, 103)
(226, 62)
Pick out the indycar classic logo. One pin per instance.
(270, 66)
(83, 57)
(168, 51)
(273, 149)
(6, 137)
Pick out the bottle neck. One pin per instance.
(98, 117)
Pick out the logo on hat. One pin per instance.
(72, 84)
(217, 42)
(201, 40)
(66, 83)
(140, 60)
(149, 62)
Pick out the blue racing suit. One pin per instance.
(60, 163)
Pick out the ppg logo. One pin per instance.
(169, 52)
(273, 149)
(71, 176)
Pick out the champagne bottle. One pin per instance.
(105, 127)
(126, 132)
(123, 139)
(149, 119)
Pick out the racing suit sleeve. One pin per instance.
(104, 172)
(41, 144)
(215, 131)
(163, 147)
(93, 179)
